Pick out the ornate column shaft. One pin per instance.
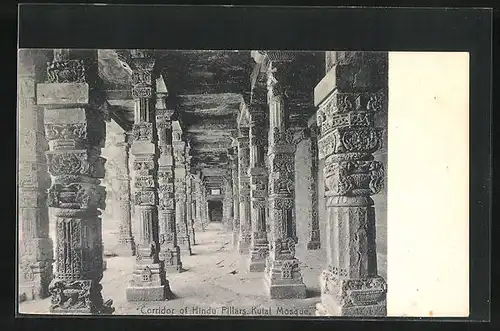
(347, 99)
(121, 203)
(259, 247)
(283, 275)
(227, 204)
(180, 190)
(169, 249)
(189, 200)
(148, 281)
(75, 128)
(35, 246)
(198, 202)
(236, 200)
(244, 191)
(314, 241)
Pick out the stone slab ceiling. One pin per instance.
(207, 88)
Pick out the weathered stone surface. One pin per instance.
(350, 283)
(35, 246)
(148, 279)
(63, 94)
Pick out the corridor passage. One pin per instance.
(203, 183)
(216, 281)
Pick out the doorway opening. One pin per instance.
(215, 210)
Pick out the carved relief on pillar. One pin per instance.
(148, 280)
(348, 139)
(75, 193)
(314, 241)
(35, 247)
(283, 276)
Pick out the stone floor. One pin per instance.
(215, 282)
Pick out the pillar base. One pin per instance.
(34, 279)
(149, 281)
(285, 291)
(313, 245)
(243, 246)
(26, 293)
(183, 242)
(78, 297)
(147, 293)
(125, 248)
(192, 239)
(174, 269)
(284, 280)
(352, 297)
(171, 259)
(244, 242)
(258, 255)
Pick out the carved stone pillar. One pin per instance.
(75, 128)
(259, 247)
(283, 275)
(121, 203)
(180, 190)
(347, 98)
(169, 249)
(198, 205)
(314, 241)
(236, 200)
(244, 191)
(148, 281)
(189, 200)
(227, 204)
(35, 246)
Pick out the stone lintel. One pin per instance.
(142, 148)
(65, 116)
(62, 94)
(326, 86)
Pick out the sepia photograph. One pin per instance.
(199, 182)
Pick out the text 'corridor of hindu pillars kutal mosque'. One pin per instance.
(202, 177)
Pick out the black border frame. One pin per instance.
(301, 28)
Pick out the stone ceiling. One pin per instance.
(209, 89)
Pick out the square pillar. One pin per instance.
(227, 203)
(148, 281)
(121, 203)
(169, 249)
(352, 91)
(259, 246)
(179, 147)
(236, 200)
(189, 198)
(35, 246)
(283, 275)
(74, 125)
(244, 191)
(313, 240)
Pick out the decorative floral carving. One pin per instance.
(359, 178)
(142, 92)
(144, 198)
(76, 196)
(77, 131)
(144, 182)
(68, 71)
(70, 294)
(141, 77)
(143, 131)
